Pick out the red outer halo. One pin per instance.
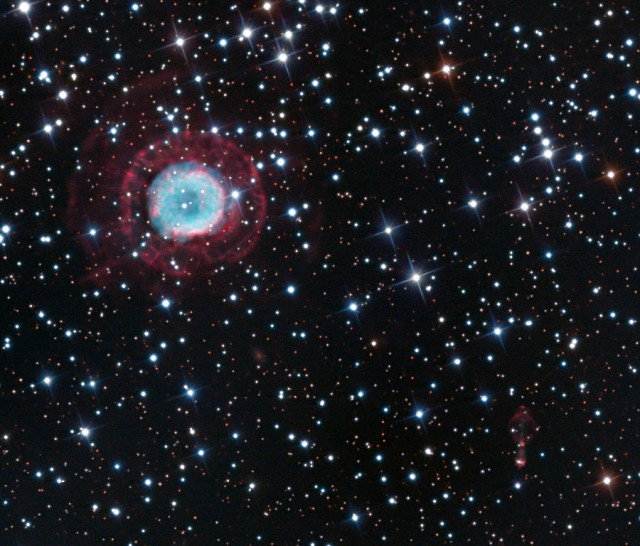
(110, 192)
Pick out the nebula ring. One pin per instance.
(187, 200)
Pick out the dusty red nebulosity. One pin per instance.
(522, 428)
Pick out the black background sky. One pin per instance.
(337, 384)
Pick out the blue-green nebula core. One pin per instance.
(187, 200)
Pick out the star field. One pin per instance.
(427, 335)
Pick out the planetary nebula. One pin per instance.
(169, 208)
(187, 200)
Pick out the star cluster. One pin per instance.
(430, 338)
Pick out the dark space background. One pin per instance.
(339, 384)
